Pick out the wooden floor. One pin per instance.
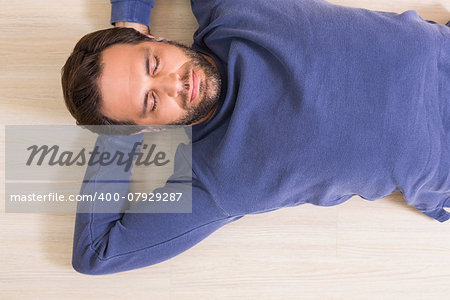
(357, 250)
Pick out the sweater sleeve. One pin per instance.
(137, 11)
(115, 237)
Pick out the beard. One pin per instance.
(209, 89)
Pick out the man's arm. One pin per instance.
(132, 13)
(139, 27)
(116, 241)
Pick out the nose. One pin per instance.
(169, 84)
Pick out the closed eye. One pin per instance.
(147, 64)
(156, 65)
(155, 102)
(150, 94)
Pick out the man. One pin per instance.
(290, 102)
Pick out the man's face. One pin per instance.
(155, 83)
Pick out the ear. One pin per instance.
(150, 129)
(158, 39)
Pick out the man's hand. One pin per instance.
(138, 26)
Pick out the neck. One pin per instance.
(210, 114)
(210, 60)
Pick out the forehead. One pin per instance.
(119, 57)
(117, 79)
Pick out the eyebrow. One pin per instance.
(147, 71)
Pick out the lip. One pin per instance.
(194, 86)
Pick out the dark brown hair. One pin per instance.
(80, 73)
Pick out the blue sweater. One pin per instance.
(319, 103)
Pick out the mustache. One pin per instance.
(186, 79)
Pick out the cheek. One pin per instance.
(170, 111)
